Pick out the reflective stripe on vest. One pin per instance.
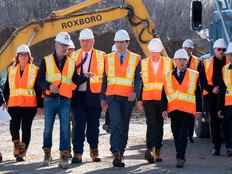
(181, 96)
(96, 67)
(120, 79)
(62, 80)
(22, 93)
(153, 83)
(227, 77)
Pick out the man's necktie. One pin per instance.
(121, 59)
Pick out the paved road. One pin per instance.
(199, 160)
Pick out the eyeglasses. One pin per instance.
(221, 49)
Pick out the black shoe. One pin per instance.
(148, 156)
(229, 152)
(216, 152)
(191, 140)
(158, 160)
(76, 161)
(118, 163)
(180, 163)
(19, 159)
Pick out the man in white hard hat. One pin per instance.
(226, 101)
(71, 48)
(55, 76)
(213, 86)
(181, 86)
(86, 105)
(194, 63)
(153, 69)
(122, 83)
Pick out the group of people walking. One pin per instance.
(77, 85)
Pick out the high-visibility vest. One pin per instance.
(153, 83)
(22, 93)
(120, 78)
(63, 80)
(208, 66)
(194, 63)
(227, 77)
(96, 67)
(181, 96)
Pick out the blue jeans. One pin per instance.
(120, 112)
(57, 106)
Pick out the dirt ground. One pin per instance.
(199, 159)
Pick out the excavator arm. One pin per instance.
(70, 20)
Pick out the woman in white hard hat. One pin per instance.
(22, 96)
(181, 88)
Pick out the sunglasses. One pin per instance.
(23, 54)
(221, 49)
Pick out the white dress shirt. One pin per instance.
(85, 68)
(155, 66)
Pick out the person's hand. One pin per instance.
(132, 97)
(40, 112)
(216, 90)
(89, 74)
(165, 115)
(104, 105)
(54, 89)
(140, 106)
(220, 115)
(4, 107)
(198, 114)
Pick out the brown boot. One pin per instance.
(77, 158)
(47, 157)
(117, 162)
(64, 162)
(16, 148)
(94, 155)
(156, 154)
(22, 152)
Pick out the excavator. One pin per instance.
(73, 19)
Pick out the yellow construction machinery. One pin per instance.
(71, 20)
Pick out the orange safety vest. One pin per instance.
(227, 77)
(120, 78)
(96, 67)
(22, 93)
(181, 96)
(153, 83)
(63, 79)
(194, 63)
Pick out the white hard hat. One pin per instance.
(181, 54)
(114, 48)
(71, 45)
(220, 43)
(188, 43)
(229, 49)
(63, 38)
(86, 34)
(155, 45)
(121, 35)
(23, 49)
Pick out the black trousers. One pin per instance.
(21, 118)
(180, 122)
(227, 125)
(191, 128)
(154, 120)
(211, 102)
